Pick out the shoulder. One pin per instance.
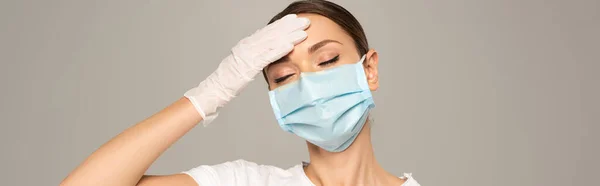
(240, 173)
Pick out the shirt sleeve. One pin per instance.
(232, 173)
(410, 181)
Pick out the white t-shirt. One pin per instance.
(244, 173)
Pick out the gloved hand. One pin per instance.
(247, 59)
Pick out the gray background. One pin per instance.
(473, 92)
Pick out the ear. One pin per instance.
(371, 71)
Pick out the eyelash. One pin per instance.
(325, 63)
(281, 79)
(331, 61)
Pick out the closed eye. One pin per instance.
(282, 79)
(329, 62)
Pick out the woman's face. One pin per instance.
(326, 46)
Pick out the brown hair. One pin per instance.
(334, 12)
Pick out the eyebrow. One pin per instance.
(311, 50)
(320, 44)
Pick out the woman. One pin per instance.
(320, 78)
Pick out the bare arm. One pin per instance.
(175, 179)
(124, 159)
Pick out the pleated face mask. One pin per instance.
(327, 108)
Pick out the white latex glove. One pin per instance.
(247, 59)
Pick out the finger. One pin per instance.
(279, 47)
(300, 23)
(276, 51)
(296, 37)
(284, 30)
(267, 29)
(289, 26)
(285, 27)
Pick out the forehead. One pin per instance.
(322, 28)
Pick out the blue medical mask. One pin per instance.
(327, 108)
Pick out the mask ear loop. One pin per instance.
(362, 59)
(371, 120)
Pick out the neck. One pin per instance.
(354, 166)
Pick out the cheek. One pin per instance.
(348, 55)
(353, 53)
(350, 58)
